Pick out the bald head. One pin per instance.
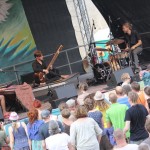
(118, 134)
(119, 90)
(112, 97)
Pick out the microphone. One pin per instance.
(94, 24)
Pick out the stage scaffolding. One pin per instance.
(83, 21)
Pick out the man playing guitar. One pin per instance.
(133, 42)
(39, 66)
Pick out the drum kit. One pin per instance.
(109, 59)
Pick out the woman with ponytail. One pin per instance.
(18, 134)
(33, 130)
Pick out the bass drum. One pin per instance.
(102, 72)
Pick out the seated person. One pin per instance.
(2, 104)
(125, 79)
(39, 66)
(83, 87)
(145, 76)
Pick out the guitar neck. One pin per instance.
(54, 57)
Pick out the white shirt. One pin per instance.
(58, 142)
(81, 98)
(128, 147)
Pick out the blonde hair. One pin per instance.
(83, 86)
(101, 105)
(15, 126)
(133, 96)
(125, 76)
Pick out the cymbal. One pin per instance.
(101, 49)
(115, 42)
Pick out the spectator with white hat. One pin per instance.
(101, 105)
(18, 133)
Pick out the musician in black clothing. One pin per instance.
(133, 42)
(39, 66)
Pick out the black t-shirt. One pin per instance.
(37, 67)
(137, 117)
(44, 130)
(133, 38)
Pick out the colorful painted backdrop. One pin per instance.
(16, 41)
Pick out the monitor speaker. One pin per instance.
(115, 78)
(55, 103)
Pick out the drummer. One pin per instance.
(133, 42)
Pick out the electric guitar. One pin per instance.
(41, 75)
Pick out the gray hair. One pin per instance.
(54, 127)
(126, 89)
(118, 134)
(144, 146)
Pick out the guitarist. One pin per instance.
(39, 66)
(133, 42)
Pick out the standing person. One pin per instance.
(58, 140)
(141, 96)
(133, 42)
(97, 116)
(44, 128)
(83, 87)
(37, 105)
(147, 95)
(101, 105)
(125, 77)
(84, 132)
(145, 76)
(33, 129)
(147, 126)
(18, 134)
(121, 97)
(3, 138)
(121, 143)
(116, 113)
(66, 121)
(135, 120)
(71, 106)
(126, 89)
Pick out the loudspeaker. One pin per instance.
(115, 77)
(66, 91)
(62, 91)
(1, 115)
(55, 103)
(28, 78)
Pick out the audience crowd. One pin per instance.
(119, 121)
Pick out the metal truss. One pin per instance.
(84, 23)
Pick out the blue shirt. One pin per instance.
(146, 78)
(97, 116)
(124, 100)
